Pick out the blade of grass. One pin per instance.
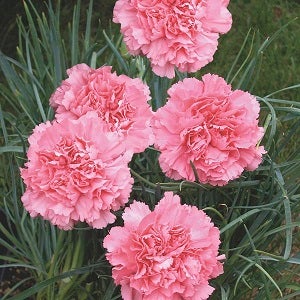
(42, 285)
(116, 53)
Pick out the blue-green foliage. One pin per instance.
(257, 214)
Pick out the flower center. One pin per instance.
(196, 138)
(161, 246)
(175, 17)
(112, 106)
(73, 157)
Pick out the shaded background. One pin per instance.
(11, 9)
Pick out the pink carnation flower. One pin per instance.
(75, 172)
(208, 124)
(120, 101)
(169, 253)
(173, 33)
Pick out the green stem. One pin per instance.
(53, 263)
(170, 186)
(76, 259)
(154, 185)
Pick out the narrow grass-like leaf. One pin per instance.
(270, 278)
(116, 53)
(55, 44)
(35, 254)
(273, 124)
(264, 272)
(42, 285)
(289, 233)
(293, 110)
(75, 34)
(18, 252)
(224, 293)
(283, 101)
(109, 291)
(17, 86)
(10, 237)
(242, 273)
(292, 296)
(15, 149)
(195, 172)
(13, 288)
(237, 57)
(25, 69)
(37, 97)
(16, 265)
(87, 35)
(33, 31)
(271, 257)
(239, 220)
(296, 86)
(245, 60)
(283, 227)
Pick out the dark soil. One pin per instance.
(13, 276)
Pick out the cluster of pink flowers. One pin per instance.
(169, 253)
(209, 125)
(120, 102)
(77, 169)
(173, 33)
(78, 164)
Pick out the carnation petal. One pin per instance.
(217, 18)
(119, 102)
(203, 292)
(117, 234)
(134, 214)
